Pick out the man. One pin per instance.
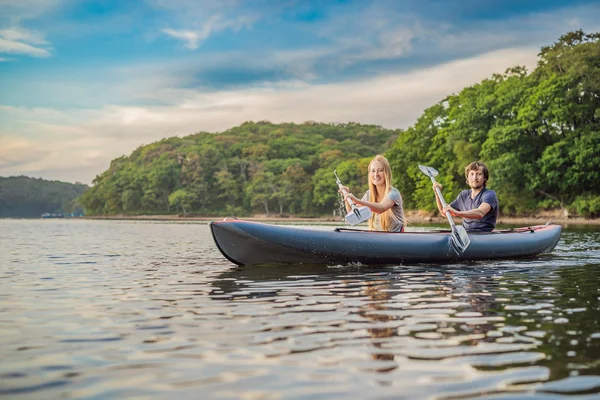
(477, 207)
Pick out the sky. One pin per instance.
(83, 82)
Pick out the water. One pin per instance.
(107, 309)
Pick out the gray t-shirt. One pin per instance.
(464, 202)
(397, 221)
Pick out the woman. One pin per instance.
(384, 200)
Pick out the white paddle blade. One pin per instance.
(429, 171)
(459, 239)
(358, 215)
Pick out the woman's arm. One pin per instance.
(378, 208)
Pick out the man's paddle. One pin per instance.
(460, 239)
(357, 215)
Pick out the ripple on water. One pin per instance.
(136, 309)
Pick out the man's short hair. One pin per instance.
(474, 166)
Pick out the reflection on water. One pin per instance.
(460, 331)
(123, 309)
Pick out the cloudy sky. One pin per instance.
(83, 82)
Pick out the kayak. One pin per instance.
(246, 243)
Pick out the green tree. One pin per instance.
(181, 200)
(24, 197)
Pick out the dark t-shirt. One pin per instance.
(464, 202)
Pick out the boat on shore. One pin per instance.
(247, 243)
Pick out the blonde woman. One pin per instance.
(384, 200)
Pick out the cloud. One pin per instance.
(14, 39)
(14, 47)
(190, 38)
(72, 159)
(197, 20)
(215, 23)
(359, 42)
(375, 64)
(377, 32)
(17, 40)
(16, 152)
(20, 34)
(535, 29)
(78, 144)
(18, 10)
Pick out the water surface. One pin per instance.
(105, 309)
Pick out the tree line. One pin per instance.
(538, 131)
(255, 167)
(24, 197)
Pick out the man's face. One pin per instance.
(475, 178)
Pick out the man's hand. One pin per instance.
(452, 211)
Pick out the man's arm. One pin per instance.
(476, 213)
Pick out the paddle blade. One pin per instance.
(358, 215)
(429, 171)
(459, 240)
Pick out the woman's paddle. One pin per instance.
(460, 239)
(358, 214)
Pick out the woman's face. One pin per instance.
(377, 174)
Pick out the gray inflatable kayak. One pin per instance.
(245, 243)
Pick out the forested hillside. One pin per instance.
(24, 197)
(256, 167)
(538, 131)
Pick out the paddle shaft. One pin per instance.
(439, 195)
(355, 209)
(348, 199)
(459, 239)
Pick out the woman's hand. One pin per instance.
(351, 197)
(437, 185)
(347, 195)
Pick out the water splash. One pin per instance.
(341, 210)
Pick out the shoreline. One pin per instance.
(413, 218)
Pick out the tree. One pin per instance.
(536, 131)
(24, 197)
(181, 199)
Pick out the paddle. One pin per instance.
(357, 215)
(460, 239)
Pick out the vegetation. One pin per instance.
(256, 167)
(538, 132)
(23, 197)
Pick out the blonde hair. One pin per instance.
(376, 197)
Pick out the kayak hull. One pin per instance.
(247, 243)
